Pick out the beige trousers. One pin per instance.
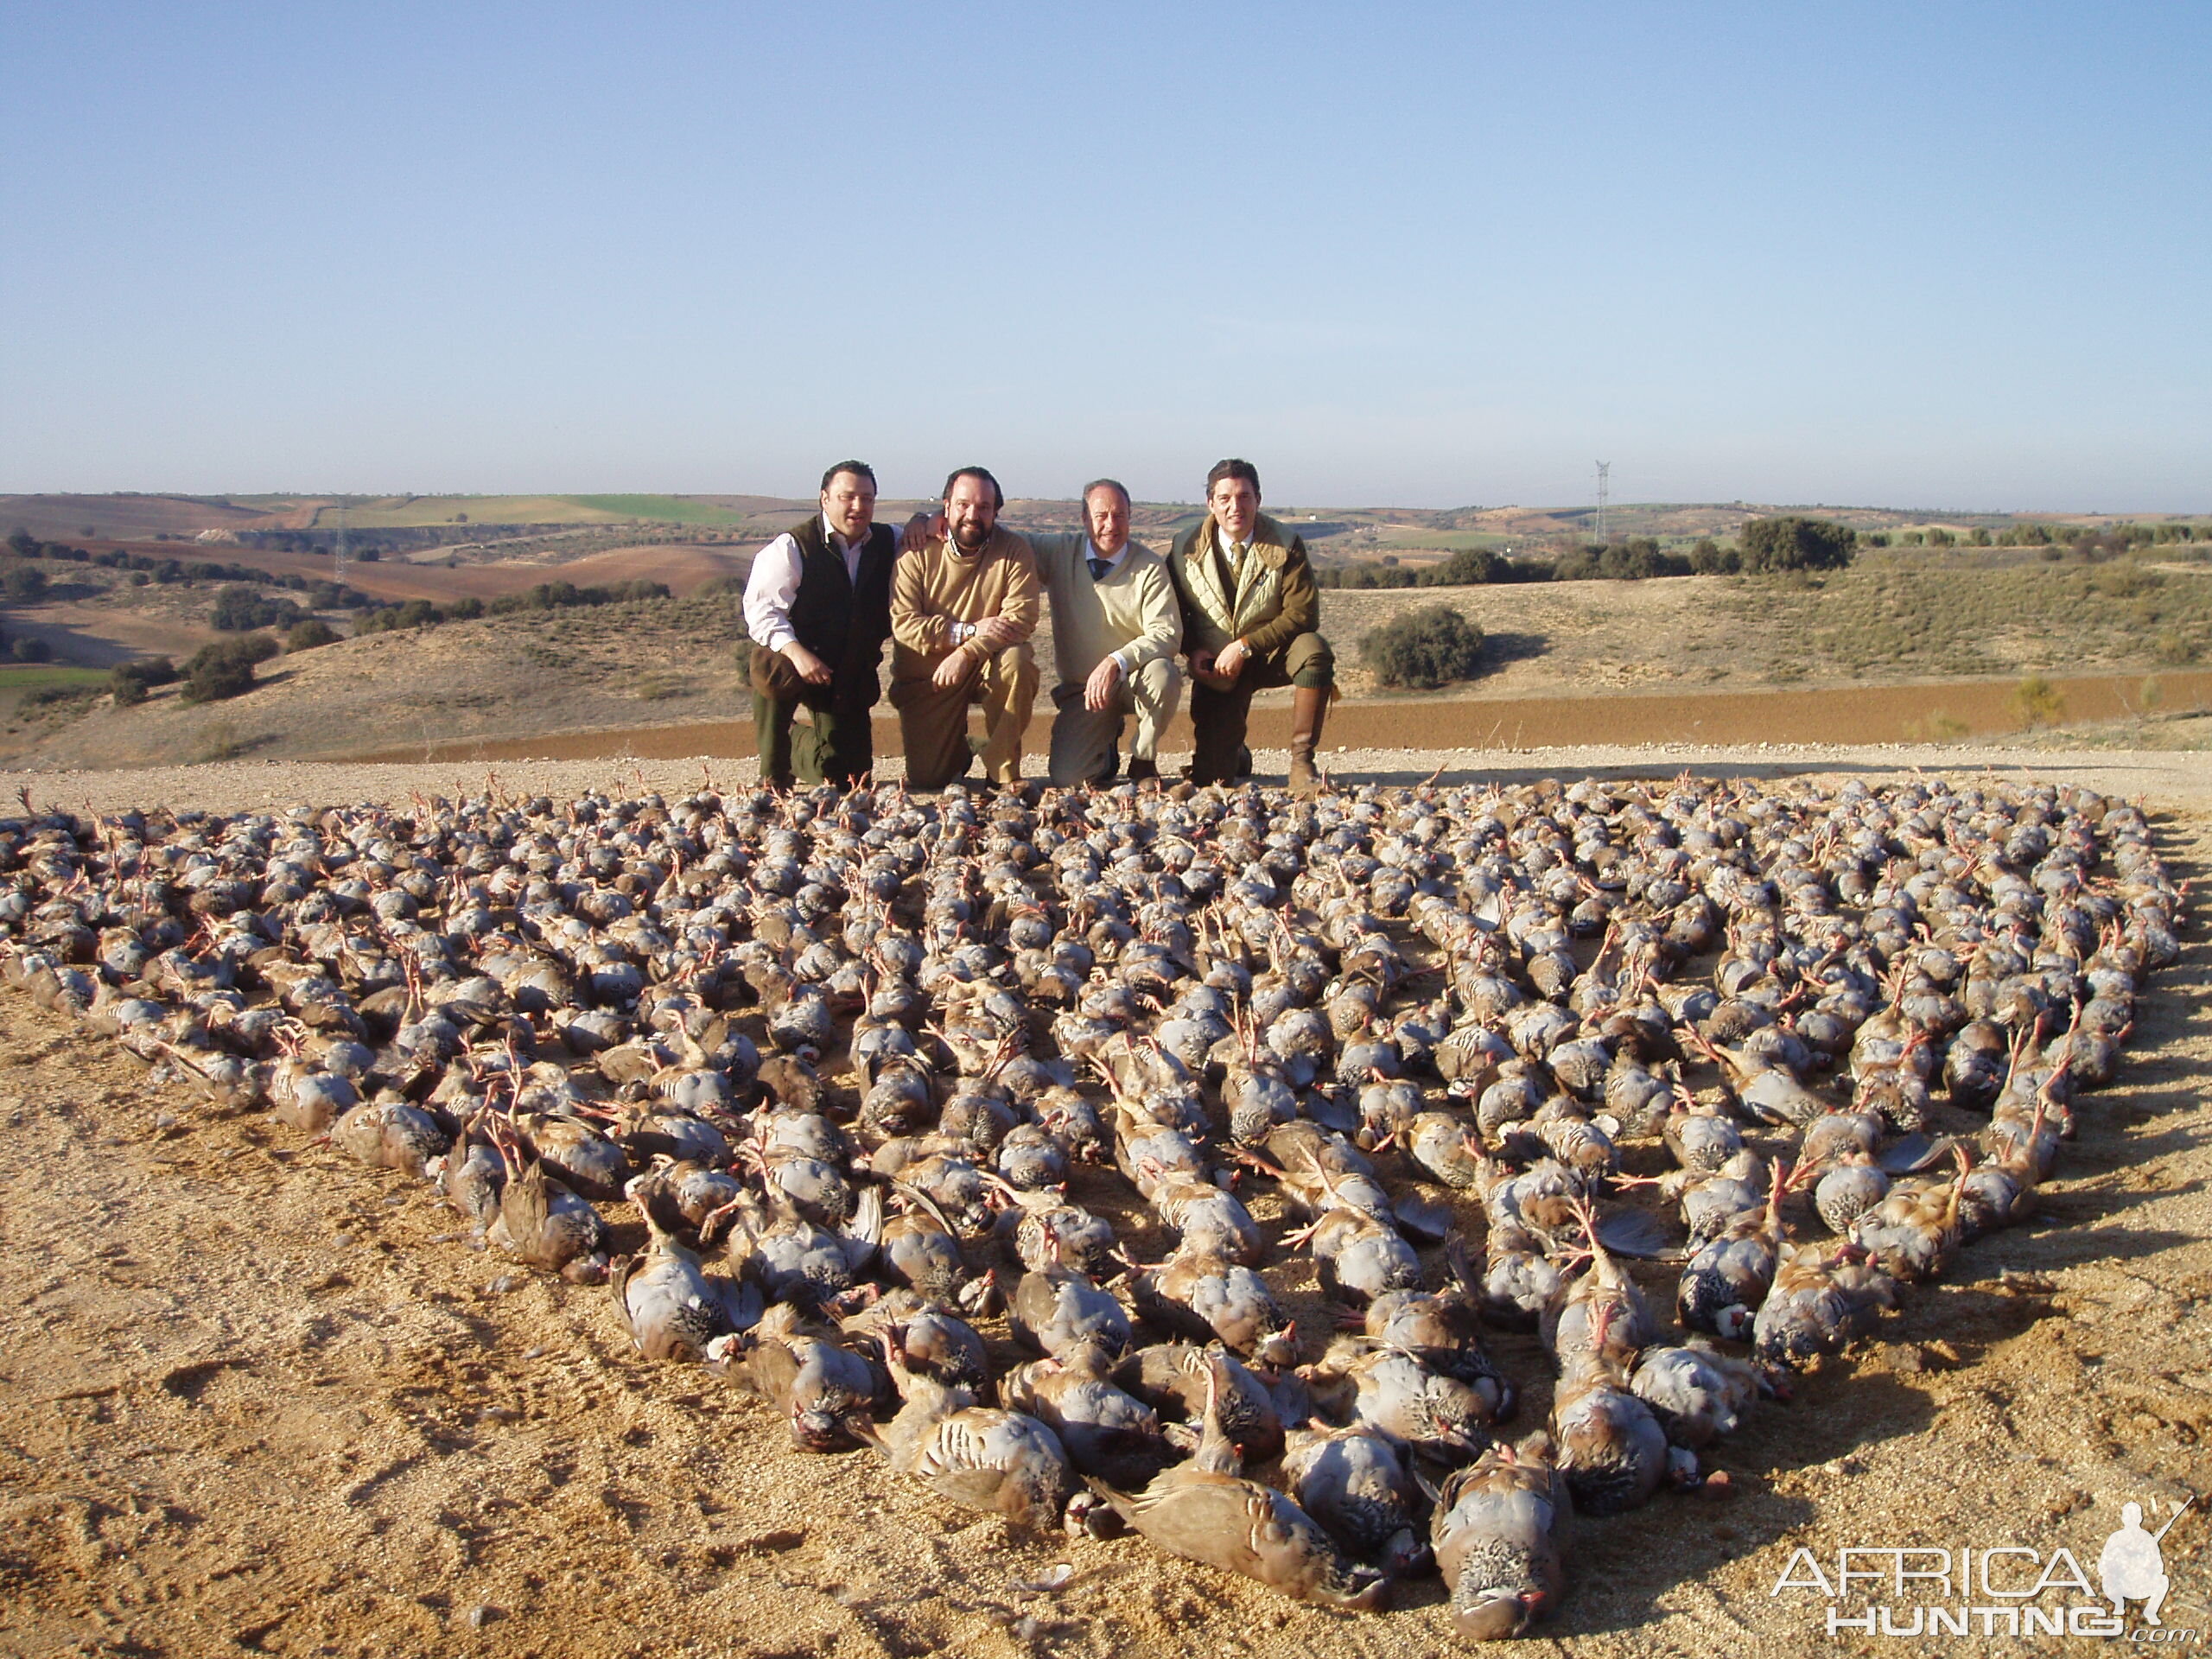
(933, 723)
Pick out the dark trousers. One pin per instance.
(838, 747)
(1218, 712)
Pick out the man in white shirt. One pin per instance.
(817, 605)
(1116, 626)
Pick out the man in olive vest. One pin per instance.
(1251, 620)
(817, 605)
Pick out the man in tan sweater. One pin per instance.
(1116, 626)
(962, 607)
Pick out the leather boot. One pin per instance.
(1307, 705)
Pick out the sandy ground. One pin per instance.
(258, 1398)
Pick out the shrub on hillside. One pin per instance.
(27, 650)
(226, 669)
(24, 584)
(238, 608)
(1794, 544)
(306, 636)
(1424, 649)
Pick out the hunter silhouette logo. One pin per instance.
(2008, 1589)
(2132, 1567)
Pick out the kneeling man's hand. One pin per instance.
(810, 667)
(1230, 661)
(955, 669)
(1099, 689)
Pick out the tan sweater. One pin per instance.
(936, 586)
(1132, 614)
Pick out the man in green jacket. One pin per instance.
(1251, 620)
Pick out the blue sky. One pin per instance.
(1943, 255)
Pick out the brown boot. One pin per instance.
(1307, 705)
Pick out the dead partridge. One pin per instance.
(1057, 1310)
(1241, 1526)
(544, 1224)
(673, 1310)
(1823, 1297)
(1106, 1431)
(1392, 1393)
(1358, 1257)
(1200, 1293)
(932, 1339)
(1723, 1284)
(826, 1392)
(1174, 1377)
(1355, 1482)
(1699, 1393)
(1440, 1329)
(985, 1458)
(1610, 1447)
(1565, 1328)
(1500, 1532)
(1913, 1233)
(391, 1134)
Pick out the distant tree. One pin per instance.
(1940, 538)
(1470, 568)
(131, 680)
(309, 634)
(22, 544)
(222, 670)
(1980, 536)
(24, 584)
(1791, 542)
(28, 650)
(1424, 649)
(238, 608)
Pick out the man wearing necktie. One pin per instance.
(1251, 620)
(817, 605)
(1116, 628)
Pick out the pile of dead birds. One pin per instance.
(873, 1101)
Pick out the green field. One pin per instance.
(36, 676)
(401, 512)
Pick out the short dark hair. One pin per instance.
(1233, 468)
(859, 468)
(1113, 484)
(998, 495)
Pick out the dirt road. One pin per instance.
(258, 1398)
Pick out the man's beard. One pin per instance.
(969, 538)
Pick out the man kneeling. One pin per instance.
(1251, 621)
(962, 607)
(1116, 630)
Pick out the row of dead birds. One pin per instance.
(1387, 1004)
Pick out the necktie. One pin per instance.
(1099, 567)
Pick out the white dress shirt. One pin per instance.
(773, 584)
